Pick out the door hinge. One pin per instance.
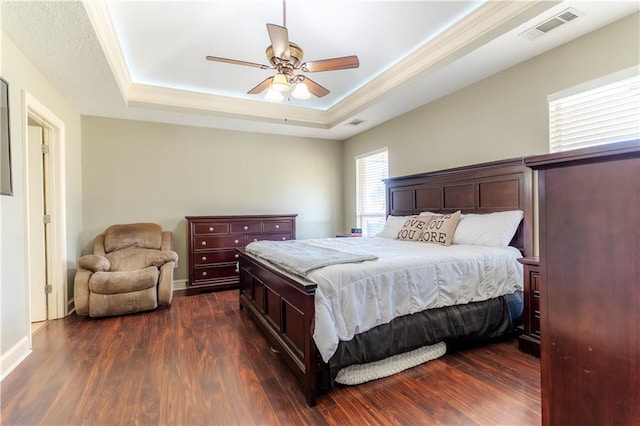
(46, 219)
(44, 148)
(48, 289)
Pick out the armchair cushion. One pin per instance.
(95, 263)
(123, 281)
(144, 235)
(133, 258)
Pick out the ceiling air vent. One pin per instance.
(355, 122)
(560, 19)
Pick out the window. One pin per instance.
(598, 112)
(371, 206)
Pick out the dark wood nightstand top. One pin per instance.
(530, 260)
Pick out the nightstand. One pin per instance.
(529, 340)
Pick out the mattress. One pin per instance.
(406, 278)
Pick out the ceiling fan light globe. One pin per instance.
(301, 92)
(280, 83)
(273, 96)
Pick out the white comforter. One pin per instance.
(408, 277)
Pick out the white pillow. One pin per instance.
(491, 229)
(392, 226)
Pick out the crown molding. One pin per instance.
(100, 18)
(142, 95)
(446, 47)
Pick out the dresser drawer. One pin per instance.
(214, 228)
(529, 340)
(268, 237)
(210, 257)
(227, 241)
(213, 272)
(535, 296)
(535, 279)
(245, 227)
(276, 227)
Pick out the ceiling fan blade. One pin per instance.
(342, 63)
(260, 87)
(315, 88)
(236, 62)
(279, 40)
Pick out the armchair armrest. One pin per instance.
(165, 284)
(94, 263)
(81, 291)
(162, 257)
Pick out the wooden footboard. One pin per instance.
(284, 308)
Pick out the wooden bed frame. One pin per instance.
(283, 305)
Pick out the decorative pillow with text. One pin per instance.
(413, 227)
(392, 226)
(440, 229)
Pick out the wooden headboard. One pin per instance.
(479, 188)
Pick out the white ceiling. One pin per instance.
(145, 60)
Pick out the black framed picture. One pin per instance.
(6, 187)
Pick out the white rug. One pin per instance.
(361, 373)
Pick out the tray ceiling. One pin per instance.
(146, 60)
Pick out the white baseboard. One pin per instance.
(14, 356)
(179, 285)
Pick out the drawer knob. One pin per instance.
(284, 238)
(211, 229)
(246, 227)
(277, 226)
(237, 255)
(204, 274)
(204, 258)
(204, 243)
(236, 241)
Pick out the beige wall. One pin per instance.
(141, 171)
(23, 76)
(503, 116)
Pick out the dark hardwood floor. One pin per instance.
(203, 362)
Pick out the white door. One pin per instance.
(37, 243)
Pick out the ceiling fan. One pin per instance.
(286, 58)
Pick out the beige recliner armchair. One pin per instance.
(130, 270)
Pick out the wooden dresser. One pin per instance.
(212, 243)
(589, 203)
(529, 340)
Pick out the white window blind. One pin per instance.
(602, 111)
(371, 208)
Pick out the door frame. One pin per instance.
(56, 244)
